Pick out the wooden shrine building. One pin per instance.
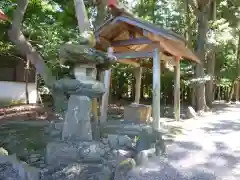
(130, 39)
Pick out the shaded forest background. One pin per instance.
(211, 28)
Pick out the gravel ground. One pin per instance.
(6, 170)
(207, 150)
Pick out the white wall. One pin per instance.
(14, 91)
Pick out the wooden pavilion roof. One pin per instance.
(3, 16)
(129, 34)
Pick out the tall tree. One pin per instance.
(101, 12)
(202, 10)
(210, 64)
(230, 11)
(25, 47)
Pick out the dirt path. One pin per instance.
(207, 149)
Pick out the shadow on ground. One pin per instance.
(222, 107)
(169, 172)
(208, 153)
(185, 163)
(223, 127)
(172, 132)
(23, 139)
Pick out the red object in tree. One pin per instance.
(112, 3)
(117, 8)
(3, 16)
(178, 58)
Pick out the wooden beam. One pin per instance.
(129, 62)
(135, 41)
(95, 128)
(107, 81)
(163, 57)
(131, 55)
(103, 41)
(122, 49)
(138, 77)
(177, 90)
(156, 90)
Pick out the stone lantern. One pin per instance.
(84, 62)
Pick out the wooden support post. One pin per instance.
(95, 109)
(138, 77)
(156, 90)
(107, 80)
(95, 124)
(104, 107)
(177, 90)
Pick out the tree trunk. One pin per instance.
(39, 99)
(237, 91)
(25, 48)
(101, 13)
(219, 93)
(238, 68)
(231, 91)
(188, 35)
(210, 71)
(211, 64)
(201, 9)
(214, 92)
(201, 51)
(26, 75)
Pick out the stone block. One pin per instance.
(146, 139)
(61, 153)
(92, 151)
(120, 154)
(123, 153)
(66, 153)
(144, 155)
(191, 113)
(116, 156)
(116, 141)
(77, 125)
(19, 170)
